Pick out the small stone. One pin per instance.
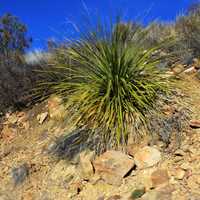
(179, 152)
(85, 164)
(62, 172)
(195, 123)
(196, 63)
(163, 193)
(185, 166)
(42, 117)
(159, 177)
(26, 125)
(8, 134)
(147, 157)
(168, 110)
(13, 119)
(193, 181)
(194, 151)
(56, 108)
(190, 70)
(20, 173)
(178, 69)
(179, 174)
(112, 166)
(185, 147)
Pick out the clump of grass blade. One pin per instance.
(108, 81)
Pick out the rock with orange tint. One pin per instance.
(168, 110)
(159, 177)
(179, 174)
(195, 123)
(8, 134)
(112, 166)
(147, 157)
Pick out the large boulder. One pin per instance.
(113, 166)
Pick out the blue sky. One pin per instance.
(54, 18)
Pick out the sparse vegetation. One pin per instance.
(188, 29)
(17, 79)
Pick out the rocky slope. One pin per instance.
(28, 171)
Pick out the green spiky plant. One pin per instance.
(108, 81)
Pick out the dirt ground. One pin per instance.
(25, 141)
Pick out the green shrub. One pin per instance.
(109, 82)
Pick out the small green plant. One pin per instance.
(108, 81)
(137, 193)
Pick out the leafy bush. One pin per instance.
(108, 81)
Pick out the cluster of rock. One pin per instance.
(148, 175)
(194, 68)
(144, 172)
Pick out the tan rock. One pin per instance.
(168, 110)
(190, 70)
(179, 174)
(85, 164)
(8, 134)
(113, 166)
(13, 119)
(179, 152)
(164, 193)
(143, 178)
(185, 166)
(194, 182)
(55, 108)
(195, 123)
(178, 69)
(159, 177)
(196, 63)
(94, 192)
(42, 117)
(147, 157)
(62, 172)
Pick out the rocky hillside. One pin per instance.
(30, 169)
